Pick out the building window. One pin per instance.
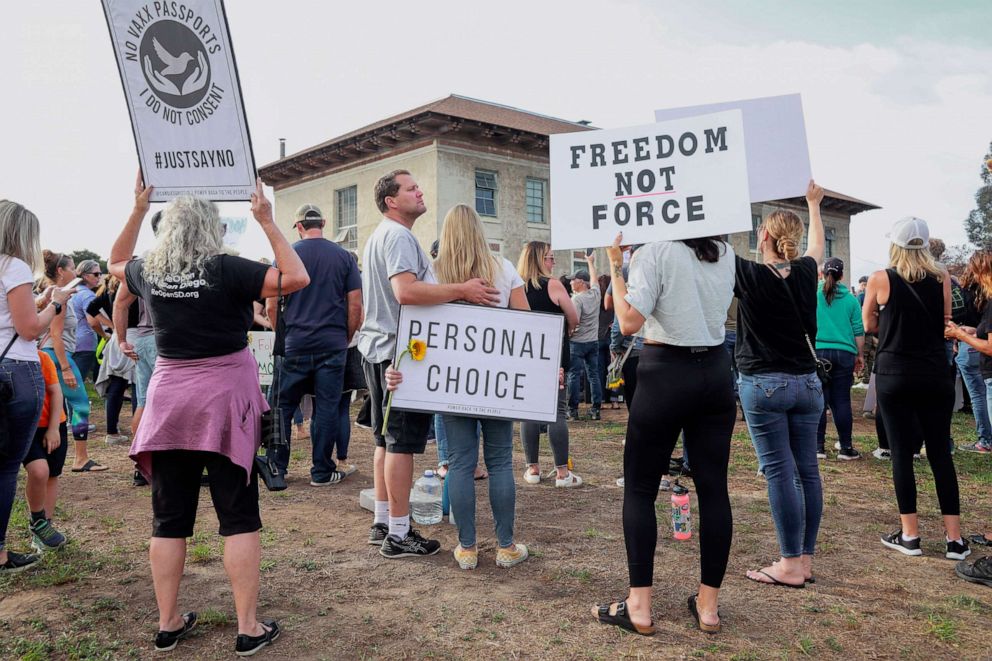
(752, 240)
(535, 201)
(579, 262)
(347, 217)
(485, 193)
(829, 234)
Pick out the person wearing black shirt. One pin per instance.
(780, 392)
(968, 359)
(909, 304)
(204, 401)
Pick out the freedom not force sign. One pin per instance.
(183, 94)
(480, 361)
(680, 179)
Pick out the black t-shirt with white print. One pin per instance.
(201, 315)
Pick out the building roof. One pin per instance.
(455, 116)
(834, 201)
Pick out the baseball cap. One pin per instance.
(833, 265)
(581, 274)
(308, 212)
(911, 233)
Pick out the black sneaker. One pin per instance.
(377, 534)
(957, 550)
(848, 454)
(980, 540)
(980, 571)
(895, 541)
(18, 562)
(139, 479)
(248, 645)
(821, 453)
(594, 415)
(44, 536)
(571, 415)
(411, 545)
(166, 641)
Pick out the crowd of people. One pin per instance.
(685, 333)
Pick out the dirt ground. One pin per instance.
(336, 598)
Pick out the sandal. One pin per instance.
(166, 641)
(621, 619)
(705, 628)
(89, 467)
(774, 581)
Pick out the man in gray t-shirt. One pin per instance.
(394, 267)
(585, 340)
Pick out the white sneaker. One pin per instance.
(620, 481)
(569, 481)
(531, 478)
(117, 439)
(880, 453)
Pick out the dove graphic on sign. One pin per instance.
(174, 62)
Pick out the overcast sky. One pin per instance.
(897, 95)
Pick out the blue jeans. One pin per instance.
(730, 344)
(782, 412)
(323, 375)
(968, 365)
(21, 417)
(442, 440)
(463, 457)
(147, 350)
(837, 395)
(585, 355)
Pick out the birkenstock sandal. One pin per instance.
(621, 619)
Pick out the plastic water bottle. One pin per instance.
(425, 499)
(681, 522)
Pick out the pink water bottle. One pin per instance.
(681, 523)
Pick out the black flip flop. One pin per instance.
(705, 628)
(622, 619)
(775, 581)
(89, 467)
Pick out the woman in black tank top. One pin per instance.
(908, 305)
(546, 294)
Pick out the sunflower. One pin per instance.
(417, 349)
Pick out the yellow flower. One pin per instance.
(417, 349)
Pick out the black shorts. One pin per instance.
(176, 492)
(407, 433)
(37, 451)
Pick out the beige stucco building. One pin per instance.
(463, 150)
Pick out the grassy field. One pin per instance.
(338, 599)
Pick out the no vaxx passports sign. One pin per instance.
(181, 84)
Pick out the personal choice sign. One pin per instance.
(480, 361)
(678, 179)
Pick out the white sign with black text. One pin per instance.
(182, 90)
(672, 180)
(260, 344)
(480, 361)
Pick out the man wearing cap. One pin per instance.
(318, 323)
(585, 340)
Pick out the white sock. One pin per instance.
(381, 512)
(958, 540)
(907, 538)
(399, 526)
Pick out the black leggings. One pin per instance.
(679, 390)
(917, 409)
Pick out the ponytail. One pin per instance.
(829, 287)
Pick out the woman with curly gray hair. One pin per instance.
(204, 402)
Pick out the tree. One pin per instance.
(82, 255)
(978, 225)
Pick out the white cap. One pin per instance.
(909, 230)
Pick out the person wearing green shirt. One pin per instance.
(840, 339)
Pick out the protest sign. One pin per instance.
(183, 94)
(775, 137)
(260, 344)
(480, 361)
(673, 180)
